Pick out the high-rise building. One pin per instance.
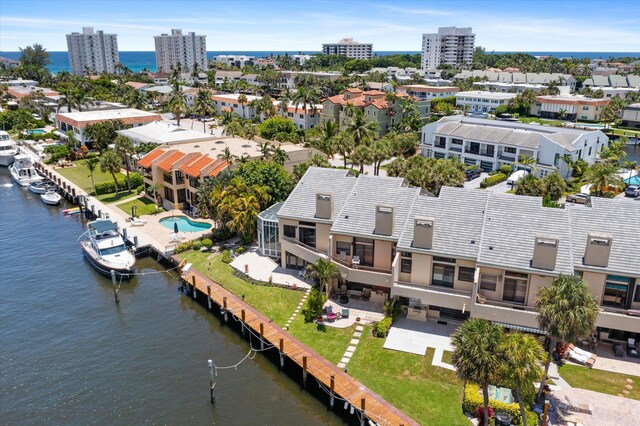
(186, 50)
(350, 48)
(450, 45)
(92, 52)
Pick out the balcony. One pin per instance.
(505, 312)
(506, 156)
(168, 179)
(619, 319)
(303, 251)
(472, 151)
(434, 295)
(456, 148)
(363, 274)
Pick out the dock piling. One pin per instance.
(261, 336)
(211, 383)
(281, 353)
(242, 315)
(304, 371)
(115, 288)
(209, 296)
(331, 395)
(362, 417)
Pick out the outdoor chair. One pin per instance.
(342, 256)
(345, 312)
(631, 348)
(331, 316)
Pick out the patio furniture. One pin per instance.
(343, 290)
(354, 293)
(580, 356)
(632, 351)
(355, 261)
(366, 294)
(617, 350)
(345, 312)
(342, 256)
(344, 298)
(301, 274)
(331, 316)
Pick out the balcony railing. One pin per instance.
(487, 154)
(168, 179)
(515, 306)
(456, 148)
(434, 289)
(472, 151)
(352, 265)
(301, 244)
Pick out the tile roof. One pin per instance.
(195, 166)
(167, 162)
(125, 115)
(301, 203)
(215, 168)
(148, 159)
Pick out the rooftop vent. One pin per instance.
(598, 249)
(545, 252)
(384, 220)
(423, 232)
(324, 205)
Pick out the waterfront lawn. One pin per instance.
(79, 174)
(114, 198)
(599, 380)
(529, 120)
(430, 395)
(143, 206)
(447, 357)
(274, 302)
(329, 342)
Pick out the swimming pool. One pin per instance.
(590, 126)
(36, 132)
(184, 224)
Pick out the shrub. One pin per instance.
(197, 245)
(506, 169)
(226, 256)
(493, 180)
(382, 328)
(183, 247)
(313, 305)
(139, 189)
(473, 400)
(207, 243)
(480, 414)
(57, 151)
(241, 249)
(109, 187)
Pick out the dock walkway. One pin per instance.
(345, 387)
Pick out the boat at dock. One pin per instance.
(105, 249)
(8, 149)
(51, 197)
(23, 172)
(70, 211)
(40, 187)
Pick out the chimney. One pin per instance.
(384, 220)
(545, 252)
(423, 232)
(598, 249)
(324, 205)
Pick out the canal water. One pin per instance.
(70, 355)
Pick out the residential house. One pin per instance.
(424, 92)
(238, 61)
(569, 107)
(631, 116)
(519, 77)
(477, 101)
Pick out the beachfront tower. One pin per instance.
(176, 47)
(92, 52)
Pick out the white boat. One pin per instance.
(40, 187)
(51, 197)
(23, 172)
(103, 246)
(8, 149)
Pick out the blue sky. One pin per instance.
(554, 25)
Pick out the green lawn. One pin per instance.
(143, 205)
(277, 303)
(447, 357)
(599, 381)
(79, 174)
(623, 132)
(113, 198)
(329, 342)
(428, 394)
(541, 121)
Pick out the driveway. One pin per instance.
(500, 188)
(475, 183)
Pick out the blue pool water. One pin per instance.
(36, 132)
(184, 224)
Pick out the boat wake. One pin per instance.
(7, 185)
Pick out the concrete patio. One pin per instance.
(606, 410)
(368, 312)
(262, 268)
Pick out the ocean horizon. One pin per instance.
(139, 60)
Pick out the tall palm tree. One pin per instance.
(361, 129)
(110, 162)
(476, 355)
(195, 75)
(279, 155)
(81, 98)
(212, 127)
(265, 150)
(344, 145)
(245, 211)
(178, 105)
(227, 156)
(306, 97)
(603, 176)
(91, 164)
(566, 311)
(529, 163)
(243, 100)
(323, 272)
(203, 105)
(155, 191)
(124, 148)
(629, 165)
(324, 140)
(521, 355)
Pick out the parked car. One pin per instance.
(472, 174)
(516, 176)
(579, 198)
(632, 191)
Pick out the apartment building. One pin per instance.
(623, 81)
(517, 77)
(92, 52)
(177, 48)
(488, 260)
(631, 116)
(77, 122)
(376, 105)
(450, 46)
(162, 133)
(489, 144)
(569, 107)
(350, 48)
(478, 101)
(497, 86)
(303, 118)
(238, 61)
(426, 93)
(289, 77)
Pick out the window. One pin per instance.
(488, 282)
(556, 160)
(637, 296)
(515, 287)
(343, 247)
(509, 150)
(405, 265)
(363, 248)
(289, 231)
(590, 148)
(615, 291)
(308, 236)
(466, 274)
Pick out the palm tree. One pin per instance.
(566, 311)
(91, 164)
(528, 163)
(155, 191)
(195, 75)
(323, 272)
(521, 355)
(361, 129)
(178, 105)
(80, 98)
(279, 155)
(324, 140)
(203, 105)
(603, 176)
(243, 100)
(344, 145)
(476, 355)
(629, 165)
(213, 126)
(227, 156)
(265, 150)
(307, 97)
(110, 162)
(124, 148)
(244, 211)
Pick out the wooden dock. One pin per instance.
(312, 364)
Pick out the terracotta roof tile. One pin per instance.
(215, 168)
(194, 168)
(148, 159)
(166, 163)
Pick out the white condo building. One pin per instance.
(450, 45)
(176, 47)
(350, 48)
(92, 52)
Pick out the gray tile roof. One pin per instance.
(301, 203)
(358, 216)
(458, 214)
(511, 224)
(621, 219)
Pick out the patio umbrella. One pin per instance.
(175, 227)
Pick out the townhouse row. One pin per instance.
(466, 253)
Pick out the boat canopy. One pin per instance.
(101, 226)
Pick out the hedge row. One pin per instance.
(493, 180)
(473, 399)
(109, 187)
